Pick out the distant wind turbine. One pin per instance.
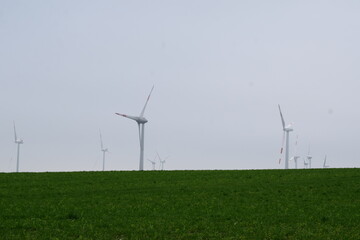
(141, 120)
(162, 162)
(306, 164)
(153, 163)
(18, 141)
(308, 157)
(287, 129)
(295, 157)
(324, 165)
(104, 150)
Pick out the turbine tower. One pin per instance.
(104, 150)
(295, 157)
(162, 161)
(324, 165)
(141, 120)
(18, 141)
(287, 129)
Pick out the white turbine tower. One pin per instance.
(141, 120)
(18, 141)
(104, 150)
(287, 129)
(295, 157)
(153, 163)
(324, 165)
(162, 162)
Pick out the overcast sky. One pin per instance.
(220, 68)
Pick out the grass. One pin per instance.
(256, 204)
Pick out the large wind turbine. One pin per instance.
(18, 141)
(287, 129)
(104, 150)
(141, 120)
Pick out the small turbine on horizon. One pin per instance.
(153, 163)
(295, 157)
(287, 129)
(306, 164)
(162, 162)
(141, 120)
(309, 157)
(18, 141)
(104, 150)
(324, 165)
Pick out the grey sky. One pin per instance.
(219, 69)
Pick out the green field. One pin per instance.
(252, 204)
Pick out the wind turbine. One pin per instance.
(295, 157)
(153, 163)
(141, 120)
(287, 129)
(104, 150)
(324, 165)
(306, 164)
(18, 141)
(161, 161)
(308, 157)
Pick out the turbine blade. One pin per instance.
(282, 147)
(296, 143)
(15, 132)
(101, 142)
(282, 118)
(120, 114)
(128, 116)
(158, 156)
(143, 111)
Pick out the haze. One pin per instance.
(220, 68)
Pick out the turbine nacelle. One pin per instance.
(289, 127)
(19, 141)
(294, 158)
(141, 120)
